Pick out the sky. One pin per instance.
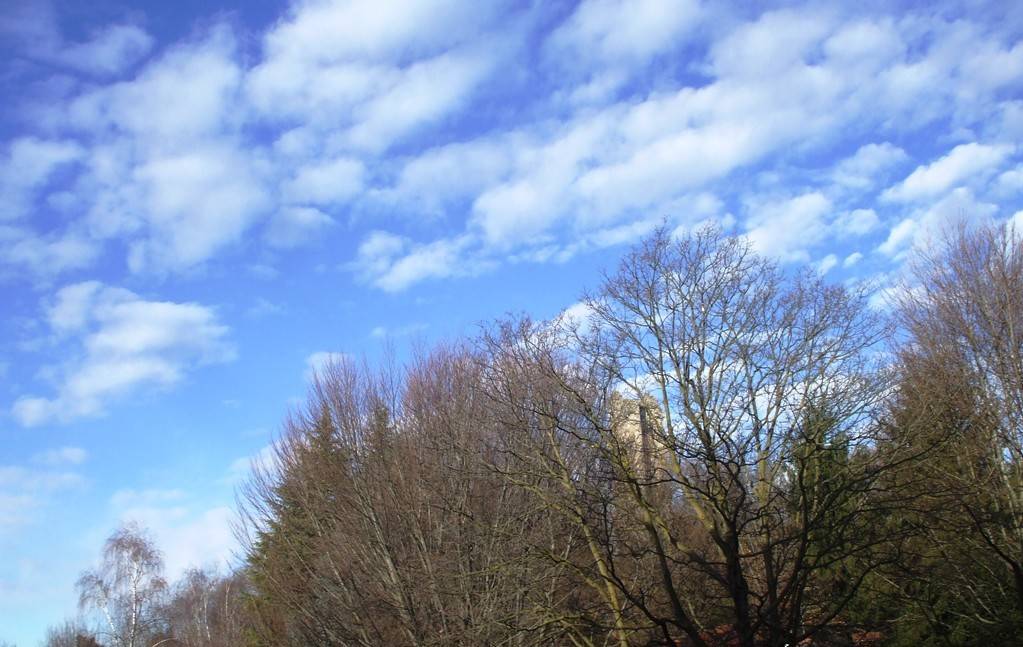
(201, 203)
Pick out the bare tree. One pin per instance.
(963, 312)
(376, 524)
(761, 463)
(126, 589)
(70, 633)
(206, 609)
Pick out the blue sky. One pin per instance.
(199, 204)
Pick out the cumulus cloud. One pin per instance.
(961, 163)
(787, 228)
(868, 165)
(400, 265)
(196, 203)
(119, 343)
(46, 255)
(25, 168)
(327, 182)
(517, 133)
(926, 224)
(295, 226)
(826, 264)
(858, 222)
(616, 33)
(108, 51)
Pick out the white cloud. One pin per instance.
(324, 183)
(295, 226)
(25, 492)
(577, 316)
(1016, 221)
(961, 163)
(787, 228)
(827, 263)
(773, 44)
(438, 259)
(352, 108)
(366, 75)
(619, 32)
(112, 50)
(46, 256)
(28, 164)
(858, 222)
(852, 259)
(899, 236)
(149, 106)
(868, 165)
(316, 362)
(188, 534)
(925, 225)
(377, 252)
(178, 184)
(384, 332)
(446, 177)
(196, 204)
(420, 94)
(120, 343)
(327, 31)
(61, 456)
(1010, 182)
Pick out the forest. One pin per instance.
(712, 449)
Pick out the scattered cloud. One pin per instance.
(961, 163)
(858, 222)
(787, 228)
(826, 264)
(926, 224)
(870, 164)
(493, 133)
(613, 30)
(66, 455)
(119, 343)
(26, 167)
(26, 491)
(295, 226)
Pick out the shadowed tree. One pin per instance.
(961, 392)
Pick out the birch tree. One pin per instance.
(126, 589)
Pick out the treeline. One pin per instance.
(718, 452)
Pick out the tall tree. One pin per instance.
(126, 589)
(768, 386)
(962, 390)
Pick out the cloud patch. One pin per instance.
(120, 343)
